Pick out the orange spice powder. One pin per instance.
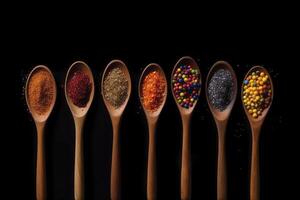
(41, 88)
(153, 90)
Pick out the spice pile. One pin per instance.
(41, 88)
(79, 88)
(186, 85)
(115, 87)
(153, 90)
(220, 89)
(257, 93)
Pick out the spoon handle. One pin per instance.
(151, 172)
(186, 159)
(40, 163)
(255, 178)
(79, 167)
(115, 179)
(221, 173)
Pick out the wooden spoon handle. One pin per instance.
(255, 178)
(79, 166)
(40, 164)
(186, 160)
(221, 170)
(151, 170)
(115, 179)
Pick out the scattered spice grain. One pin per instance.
(115, 88)
(153, 90)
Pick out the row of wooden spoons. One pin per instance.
(79, 115)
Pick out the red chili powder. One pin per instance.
(79, 88)
(153, 90)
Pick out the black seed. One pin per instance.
(220, 89)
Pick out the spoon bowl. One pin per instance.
(35, 115)
(150, 68)
(116, 112)
(186, 60)
(261, 118)
(75, 67)
(222, 115)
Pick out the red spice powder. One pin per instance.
(79, 88)
(153, 90)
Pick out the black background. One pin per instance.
(58, 49)
(98, 133)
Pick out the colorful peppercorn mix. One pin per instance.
(79, 88)
(257, 93)
(186, 85)
(153, 90)
(115, 87)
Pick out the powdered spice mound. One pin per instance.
(41, 88)
(153, 90)
(79, 88)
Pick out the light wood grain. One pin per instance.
(40, 163)
(186, 176)
(151, 168)
(79, 159)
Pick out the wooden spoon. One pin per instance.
(221, 119)
(256, 124)
(79, 115)
(152, 117)
(185, 117)
(40, 121)
(115, 115)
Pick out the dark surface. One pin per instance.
(98, 132)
